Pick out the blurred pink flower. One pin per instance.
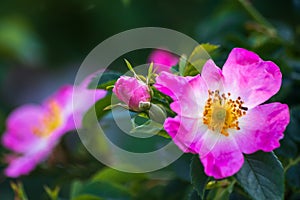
(219, 113)
(32, 131)
(163, 60)
(132, 92)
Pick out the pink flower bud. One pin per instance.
(133, 92)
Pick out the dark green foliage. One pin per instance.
(262, 176)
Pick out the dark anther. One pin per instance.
(244, 108)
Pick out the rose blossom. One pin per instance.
(32, 131)
(219, 115)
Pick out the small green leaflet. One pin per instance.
(182, 64)
(149, 127)
(196, 60)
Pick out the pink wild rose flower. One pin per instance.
(219, 115)
(32, 131)
(132, 92)
(163, 60)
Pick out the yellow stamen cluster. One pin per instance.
(222, 113)
(49, 122)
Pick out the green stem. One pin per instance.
(258, 17)
(19, 191)
(291, 163)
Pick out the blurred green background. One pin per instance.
(42, 44)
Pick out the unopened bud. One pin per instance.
(132, 92)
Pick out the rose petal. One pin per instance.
(186, 132)
(262, 128)
(63, 96)
(171, 85)
(20, 166)
(24, 164)
(212, 75)
(192, 102)
(251, 78)
(174, 129)
(20, 123)
(223, 160)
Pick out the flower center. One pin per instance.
(222, 113)
(49, 122)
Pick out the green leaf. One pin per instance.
(150, 127)
(150, 73)
(132, 181)
(288, 147)
(209, 47)
(101, 189)
(293, 176)
(192, 194)
(18, 41)
(104, 80)
(198, 178)
(164, 134)
(157, 113)
(262, 176)
(114, 176)
(87, 197)
(182, 64)
(129, 66)
(175, 69)
(198, 58)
